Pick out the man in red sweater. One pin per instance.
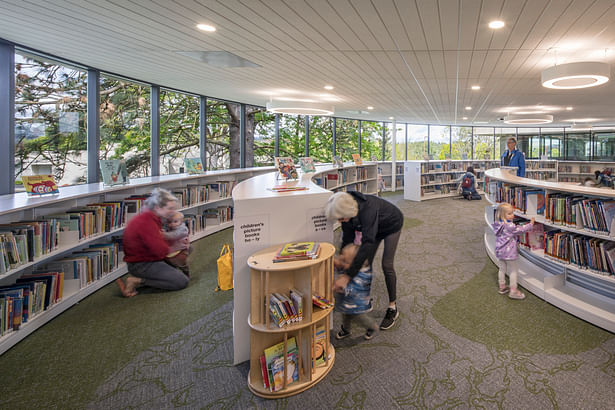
(145, 247)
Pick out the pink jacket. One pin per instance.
(506, 239)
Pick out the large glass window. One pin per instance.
(50, 120)
(528, 142)
(264, 136)
(483, 143)
(321, 138)
(400, 142)
(125, 124)
(223, 138)
(578, 146)
(501, 136)
(417, 141)
(461, 142)
(552, 142)
(604, 145)
(346, 138)
(179, 130)
(388, 141)
(439, 141)
(292, 136)
(371, 140)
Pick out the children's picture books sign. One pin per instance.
(113, 171)
(40, 184)
(193, 165)
(286, 167)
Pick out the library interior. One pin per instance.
(180, 179)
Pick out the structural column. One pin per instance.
(7, 117)
(203, 130)
(93, 127)
(155, 130)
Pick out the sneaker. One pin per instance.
(342, 334)
(503, 290)
(369, 334)
(389, 318)
(518, 295)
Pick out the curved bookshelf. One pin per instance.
(583, 292)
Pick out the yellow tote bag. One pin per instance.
(225, 268)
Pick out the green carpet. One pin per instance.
(66, 360)
(476, 311)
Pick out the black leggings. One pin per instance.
(388, 264)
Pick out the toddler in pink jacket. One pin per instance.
(506, 248)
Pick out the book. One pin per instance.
(193, 165)
(40, 184)
(295, 251)
(113, 171)
(297, 299)
(286, 167)
(307, 164)
(274, 361)
(287, 188)
(319, 350)
(337, 161)
(357, 159)
(321, 302)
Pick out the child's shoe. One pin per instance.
(369, 334)
(342, 334)
(516, 294)
(503, 290)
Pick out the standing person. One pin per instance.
(468, 185)
(506, 248)
(145, 247)
(375, 220)
(512, 157)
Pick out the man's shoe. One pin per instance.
(389, 318)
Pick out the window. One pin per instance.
(417, 142)
(264, 137)
(461, 142)
(483, 143)
(400, 142)
(292, 136)
(179, 130)
(125, 124)
(223, 142)
(578, 146)
(388, 141)
(346, 138)
(439, 141)
(501, 136)
(50, 120)
(528, 142)
(552, 142)
(371, 140)
(321, 138)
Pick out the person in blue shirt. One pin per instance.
(512, 157)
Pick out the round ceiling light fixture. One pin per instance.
(576, 75)
(528, 119)
(299, 108)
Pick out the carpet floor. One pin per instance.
(456, 344)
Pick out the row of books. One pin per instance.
(595, 254)
(275, 360)
(209, 217)
(540, 165)
(437, 178)
(195, 194)
(581, 212)
(460, 166)
(436, 189)
(284, 309)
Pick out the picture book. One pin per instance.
(193, 165)
(274, 361)
(113, 171)
(337, 161)
(286, 167)
(357, 159)
(307, 164)
(298, 248)
(319, 346)
(39, 184)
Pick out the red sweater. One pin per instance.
(143, 240)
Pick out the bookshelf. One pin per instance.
(584, 292)
(577, 171)
(308, 277)
(542, 170)
(361, 178)
(440, 179)
(20, 207)
(385, 170)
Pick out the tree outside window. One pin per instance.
(346, 138)
(179, 130)
(371, 140)
(439, 141)
(321, 138)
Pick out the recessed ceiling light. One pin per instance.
(576, 75)
(465, 118)
(496, 24)
(476, 87)
(299, 108)
(205, 27)
(370, 108)
(481, 122)
(468, 108)
(568, 108)
(391, 118)
(328, 87)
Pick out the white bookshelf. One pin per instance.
(578, 171)
(542, 170)
(386, 169)
(21, 207)
(582, 292)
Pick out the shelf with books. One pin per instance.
(303, 345)
(75, 233)
(578, 171)
(573, 265)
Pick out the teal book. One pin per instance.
(193, 165)
(113, 171)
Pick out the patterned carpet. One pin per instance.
(457, 343)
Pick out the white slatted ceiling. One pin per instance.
(408, 58)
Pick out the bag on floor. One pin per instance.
(225, 268)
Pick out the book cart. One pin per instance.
(20, 207)
(309, 277)
(583, 292)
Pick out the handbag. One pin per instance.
(225, 268)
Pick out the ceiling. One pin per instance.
(414, 60)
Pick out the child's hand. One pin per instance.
(340, 283)
(533, 221)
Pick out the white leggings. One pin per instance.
(512, 267)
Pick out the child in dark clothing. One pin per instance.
(355, 302)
